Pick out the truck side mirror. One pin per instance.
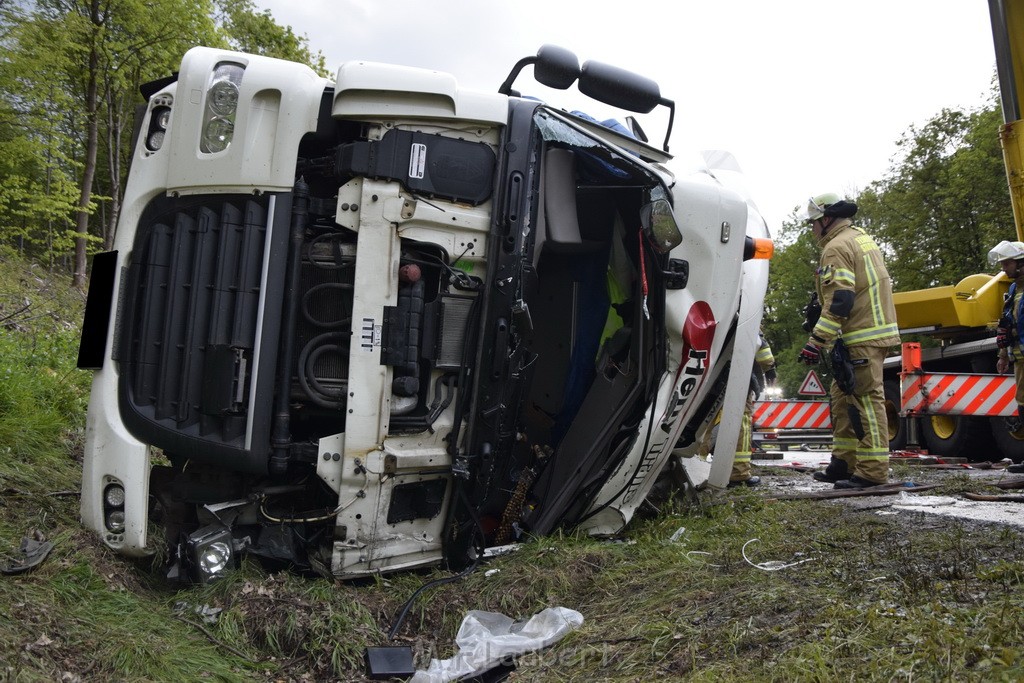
(618, 87)
(556, 67)
(625, 90)
(553, 66)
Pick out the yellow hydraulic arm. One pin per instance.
(1008, 38)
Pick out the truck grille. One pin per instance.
(194, 300)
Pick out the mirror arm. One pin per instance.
(671, 117)
(506, 87)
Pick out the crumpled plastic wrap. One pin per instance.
(486, 638)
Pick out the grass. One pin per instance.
(865, 597)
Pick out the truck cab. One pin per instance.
(382, 321)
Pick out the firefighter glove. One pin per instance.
(769, 376)
(812, 311)
(1004, 336)
(810, 354)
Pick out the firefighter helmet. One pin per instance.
(816, 206)
(1005, 251)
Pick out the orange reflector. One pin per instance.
(763, 248)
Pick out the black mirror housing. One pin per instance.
(556, 67)
(619, 87)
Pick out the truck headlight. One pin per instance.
(113, 496)
(217, 134)
(214, 558)
(113, 505)
(210, 552)
(223, 98)
(158, 122)
(221, 107)
(115, 521)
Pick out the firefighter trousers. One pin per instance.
(741, 459)
(860, 431)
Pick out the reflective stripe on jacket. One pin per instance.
(851, 262)
(764, 357)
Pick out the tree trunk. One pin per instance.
(114, 107)
(92, 142)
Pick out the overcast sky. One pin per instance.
(809, 95)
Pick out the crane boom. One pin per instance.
(1008, 40)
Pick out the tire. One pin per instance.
(897, 425)
(958, 436)
(1008, 445)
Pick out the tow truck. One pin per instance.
(383, 321)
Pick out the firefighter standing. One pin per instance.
(763, 375)
(855, 293)
(1010, 333)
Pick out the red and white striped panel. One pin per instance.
(959, 394)
(791, 415)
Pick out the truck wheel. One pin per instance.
(957, 436)
(1009, 446)
(897, 424)
(1006, 445)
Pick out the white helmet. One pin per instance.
(1006, 250)
(815, 206)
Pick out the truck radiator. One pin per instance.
(189, 346)
(325, 322)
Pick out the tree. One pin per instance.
(248, 30)
(106, 47)
(791, 278)
(70, 72)
(938, 210)
(944, 202)
(38, 171)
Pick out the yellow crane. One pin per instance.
(962, 316)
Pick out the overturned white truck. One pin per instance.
(379, 322)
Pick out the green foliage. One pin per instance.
(792, 282)
(38, 170)
(935, 214)
(248, 30)
(71, 67)
(944, 203)
(42, 394)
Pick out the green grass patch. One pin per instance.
(805, 590)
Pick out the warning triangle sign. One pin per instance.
(812, 385)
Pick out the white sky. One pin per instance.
(809, 95)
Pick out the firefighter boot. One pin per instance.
(1015, 424)
(837, 470)
(856, 482)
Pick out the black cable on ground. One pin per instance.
(440, 582)
(437, 582)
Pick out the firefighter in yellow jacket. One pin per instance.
(855, 293)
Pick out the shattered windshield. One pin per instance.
(599, 163)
